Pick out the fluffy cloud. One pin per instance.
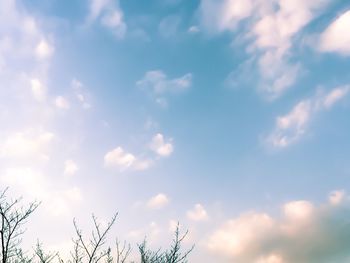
(124, 160)
(44, 49)
(337, 197)
(157, 202)
(160, 146)
(62, 103)
(118, 157)
(270, 27)
(38, 90)
(27, 144)
(304, 233)
(290, 127)
(198, 213)
(109, 14)
(70, 167)
(336, 37)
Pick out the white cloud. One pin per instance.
(118, 157)
(335, 95)
(273, 258)
(62, 103)
(22, 40)
(70, 167)
(303, 233)
(44, 49)
(270, 27)
(38, 89)
(160, 146)
(337, 197)
(336, 37)
(224, 14)
(158, 82)
(96, 7)
(142, 164)
(157, 202)
(110, 15)
(27, 144)
(81, 94)
(298, 210)
(198, 213)
(124, 160)
(193, 30)
(290, 127)
(33, 183)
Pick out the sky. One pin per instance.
(230, 117)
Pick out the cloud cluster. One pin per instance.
(160, 146)
(303, 233)
(270, 27)
(27, 113)
(123, 160)
(290, 127)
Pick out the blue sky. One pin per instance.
(228, 116)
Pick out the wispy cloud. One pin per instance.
(169, 26)
(270, 27)
(159, 85)
(290, 127)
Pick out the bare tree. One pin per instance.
(173, 255)
(92, 249)
(122, 252)
(42, 256)
(86, 250)
(12, 218)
